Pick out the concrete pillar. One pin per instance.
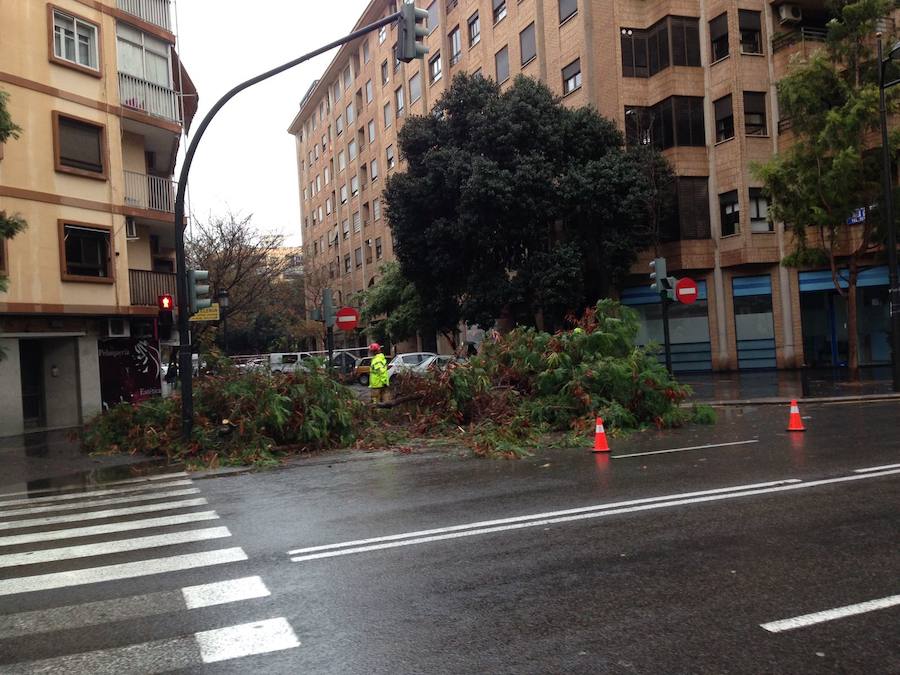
(61, 382)
(10, 389)
(89, 377)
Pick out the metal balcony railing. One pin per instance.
(145, 286)
(152, 11)
(805, 34)
(150, 98)
(149, 192)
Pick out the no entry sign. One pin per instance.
(347, 318)
(686, 291)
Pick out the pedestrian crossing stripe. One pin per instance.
(75, 489)
(30, 510)
(27, 501)
(97, 515)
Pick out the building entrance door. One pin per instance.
(31, 357)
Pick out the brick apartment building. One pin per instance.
(696, 78)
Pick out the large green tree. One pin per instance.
(513, 205)
(831, 169)
(392, 307)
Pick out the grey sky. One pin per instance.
(246, 160)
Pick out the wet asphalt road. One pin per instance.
(677, 583)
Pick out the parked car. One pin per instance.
(344, 362)
(438, 362)
(362, 370)
(404, 362)
(287, 362)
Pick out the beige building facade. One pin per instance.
(96, 87)
(697, 79)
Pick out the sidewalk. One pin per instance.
(772, 386)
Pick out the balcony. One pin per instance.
(149, 192)
(802, 36)
(146, 286)
(152, 11)
(152, 99)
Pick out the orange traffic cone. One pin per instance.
(794, 422)
(600, 444)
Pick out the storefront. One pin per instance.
(754, 325)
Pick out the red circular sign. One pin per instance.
(347, 318)
(686, 291)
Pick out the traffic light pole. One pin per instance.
(185, 366)
(667, 342)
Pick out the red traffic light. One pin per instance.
(165, 302)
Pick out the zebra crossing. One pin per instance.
(66, 555)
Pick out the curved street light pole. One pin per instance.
(184, 351)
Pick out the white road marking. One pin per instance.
(97, 515)
(831, 614)
(80, 488)
(537, 516)
(693, 447)
(877, 468)
(234, 642)
(584, 516)
(109, 528)
(110, 547)
(130, 570)
(132, 607)
(98, 502)
(223, 592)
(25, 501)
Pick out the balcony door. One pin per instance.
(145, 70)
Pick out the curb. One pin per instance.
(786, 401)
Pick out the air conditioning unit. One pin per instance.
(131, 232)
(118, 328)
(788, 13)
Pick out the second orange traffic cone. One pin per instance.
(794, 422)
(600, 444)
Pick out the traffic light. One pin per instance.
(195, 290)
(658, 274)
(328, 308)
(165, 319)
(411, 27)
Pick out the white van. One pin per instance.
(287, 362)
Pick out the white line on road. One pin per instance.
(234, 642)
(110, 547)
(536, 516)
(97, 515)
(126, 481)
(108, 528)
(14, 513)
(693, 447)
(585, 516)
(25, 501)
(831, 614)
(877, 468)
(130, 570)
(129, 608)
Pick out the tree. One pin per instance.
(10, 224)
(393, 308)
(513, 205)
(830, 171)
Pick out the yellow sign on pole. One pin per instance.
(210, 313)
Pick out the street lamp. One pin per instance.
(222, 297)
(894, 295)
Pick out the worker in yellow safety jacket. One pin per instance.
(378, 373)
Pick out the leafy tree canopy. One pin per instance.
(392, 307)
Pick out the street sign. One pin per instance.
(210, 313)
(686, 291)
(347, 318)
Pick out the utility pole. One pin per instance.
(184, 349)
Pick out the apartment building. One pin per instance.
(695, 78)
(96, 86)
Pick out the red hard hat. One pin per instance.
(374, 347)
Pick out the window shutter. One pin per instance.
(572, 69)
(718, 27)
(566, 8)
(723, 108)
(527, 44)
(748, 20)
(755, 102)
(80, 145)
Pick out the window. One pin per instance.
(724, 119)
(567, 8)
(499, 10)
(370, 91)
(345, 228)
(350, 115)
(527, 45)
(388, 116)
(433, 18)
(357, 255)
(692, 193)
(396, 60)
(501, 62)
(86, 252)
(730, 212)
(398, 100)
(674, 121)
(347, 264)
(718, 35)
(75, 41)
(671, 41)
(384, 73)
(455, 46)
(571, 76)
(316, 151)
(378, 250)
(373, 169)
(371, 131)
(337, 91)
(354, 185)
(324, 142)
(415, 88)
(382, 34)
(477, 73)
(755, 113)
(389, 153)
(305, 194)
(352, 150)
(434, 67)
(685, 35)
(327, 175)
(348, 77)
(751, 31)
(474, 30)
(344, 194)
(146, 58)
(80, 146)
(357, 222)
(318, 183)
(367, 55)
(342, 161)
(329, 206)
(339, 125)
(376, 209)
(759, 212)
